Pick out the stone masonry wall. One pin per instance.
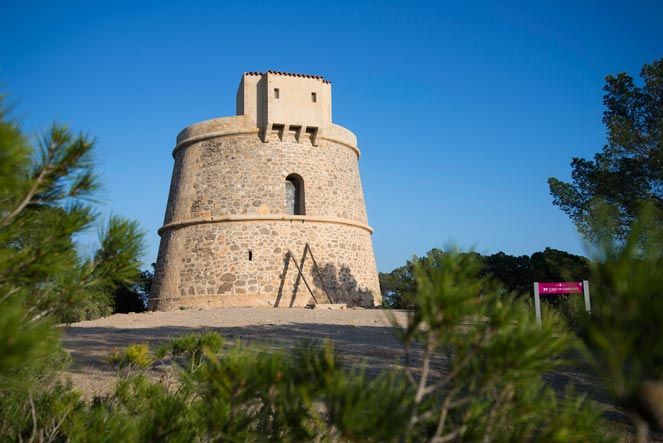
(226, 232)
(241, 175)
(218, 271)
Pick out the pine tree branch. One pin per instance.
(449, 437)
(45, 170)
(425, 368)
(33, 415)
(444, 411)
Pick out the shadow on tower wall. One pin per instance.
(325, 284)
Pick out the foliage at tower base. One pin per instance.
(45, 198)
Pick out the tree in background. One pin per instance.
(122, 298)
(45, 198)
(629, 170)
(514, 273)
(397, 287)
(552, 265)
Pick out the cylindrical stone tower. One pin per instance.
(266, 208)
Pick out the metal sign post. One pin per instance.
(585, 287)
(537, 303)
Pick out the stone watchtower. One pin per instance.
(266, 207)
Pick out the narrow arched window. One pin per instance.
(294, 195)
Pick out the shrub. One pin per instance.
(45, 199)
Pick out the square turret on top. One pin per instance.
(282, 100)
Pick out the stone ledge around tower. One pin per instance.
(263, 217)
(237, 123)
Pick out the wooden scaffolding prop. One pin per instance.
(289, 256)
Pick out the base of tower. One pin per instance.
(236, 301)
(269, 263)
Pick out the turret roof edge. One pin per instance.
(290, 74)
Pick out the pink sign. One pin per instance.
(569, 287)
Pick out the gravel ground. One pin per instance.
(359, 335)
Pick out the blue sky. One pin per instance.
(462, 109)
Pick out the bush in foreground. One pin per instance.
(46, 194)
(473, 372)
